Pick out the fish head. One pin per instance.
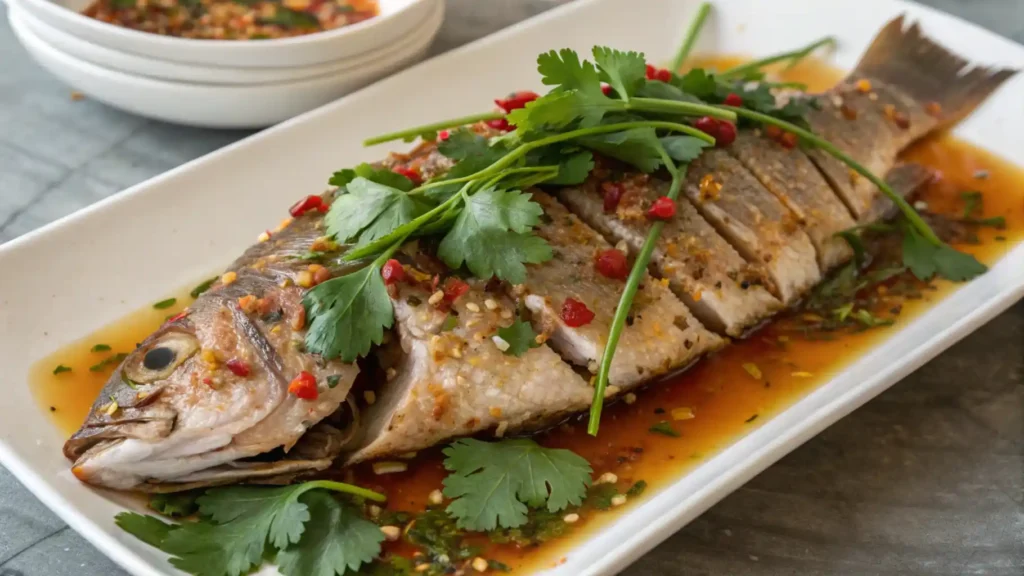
(204, 394)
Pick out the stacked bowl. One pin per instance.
(221, 83)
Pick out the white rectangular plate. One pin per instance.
(64, 281)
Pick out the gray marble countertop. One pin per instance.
(926, 479)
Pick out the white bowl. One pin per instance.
(176, 72)
(396, 19)
(239, 106)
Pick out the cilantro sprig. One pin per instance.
(496, 483)
(312, 533)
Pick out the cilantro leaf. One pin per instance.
(336, 540)
(175, 505)
(972, 202)
(574, 165)
(520, 337)
(495, 483)
(683, 148)
(624, 71)
(665, 429)
(472, 153)
(926, 260)
(370, 211)
(383, 176)
(149, 529)
(697, 82)
(349, 314)
(639, 147)
(662, 91)
(492, 236)
(564, 70)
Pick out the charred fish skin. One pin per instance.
(210, 388)
(446, 376)
(794, 180)
(720, 288)
(661, 336)
(754, 221)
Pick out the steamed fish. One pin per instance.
(228, 392)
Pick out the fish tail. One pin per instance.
(931, 74)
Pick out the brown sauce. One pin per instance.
(726, 400)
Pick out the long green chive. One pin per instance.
(428, 128)
(691, 36)
(636, 275)
(793, 57)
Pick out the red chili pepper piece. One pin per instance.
(444, 134)
(499, 124)
(606, 90)
(662, 209)
(392, 272)
(311, 202)
(788, 140)
(772, 131)
(612, 195)
(304, 386)
(409, 173)
(176, 317)
(726, 134)
(663, 75)
(516, 100)
(454, 288)
(238, 367)
(612, 264)
(576, 313)
(651, 72)
(733, 99)
(707, 125)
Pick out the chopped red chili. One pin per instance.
(788, 140)
(516, 100)
(733, 99)
(726, 134)
(663, 75)
(651, 72)
(612, 195)
(662, 209)
(409, 173)
(707, 125)
(576, 313)
(304, 386)
(612, 264)
(499, 124)
(392, 272)
(772, 131)
(454, 288)
(307, 204)
(238, 367)
(606, 90)
(444, 134)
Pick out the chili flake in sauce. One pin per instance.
(232, 19)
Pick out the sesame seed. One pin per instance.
(611, 391)
(500, 342)
(607, 478)
(370, 396)
(374, 510)
(391, 533)
(263, 237)
(435, 497)
(683, 413)
(630, 398)
(571, 518)
(621, 246)
(480, 565)
(501, 429)
(618, 500)
(390, 373)
(490, 304)
(435, 298)
(472, 307)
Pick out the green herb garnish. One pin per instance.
(203, 287)
(520, 337)
(164, 304)
(665, 429)
(496, 483)
(106, 362)
(312, 533)
(100, 348)
(61, 369)
(176, 505)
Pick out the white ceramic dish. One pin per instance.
(173, 228)
(396, 19)
(238, 106)
(176, 72)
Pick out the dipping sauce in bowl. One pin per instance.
(232, 19)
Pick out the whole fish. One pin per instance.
(209, 397)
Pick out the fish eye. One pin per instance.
(159, 359)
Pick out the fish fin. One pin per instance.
(905, 179)
(904, 57)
